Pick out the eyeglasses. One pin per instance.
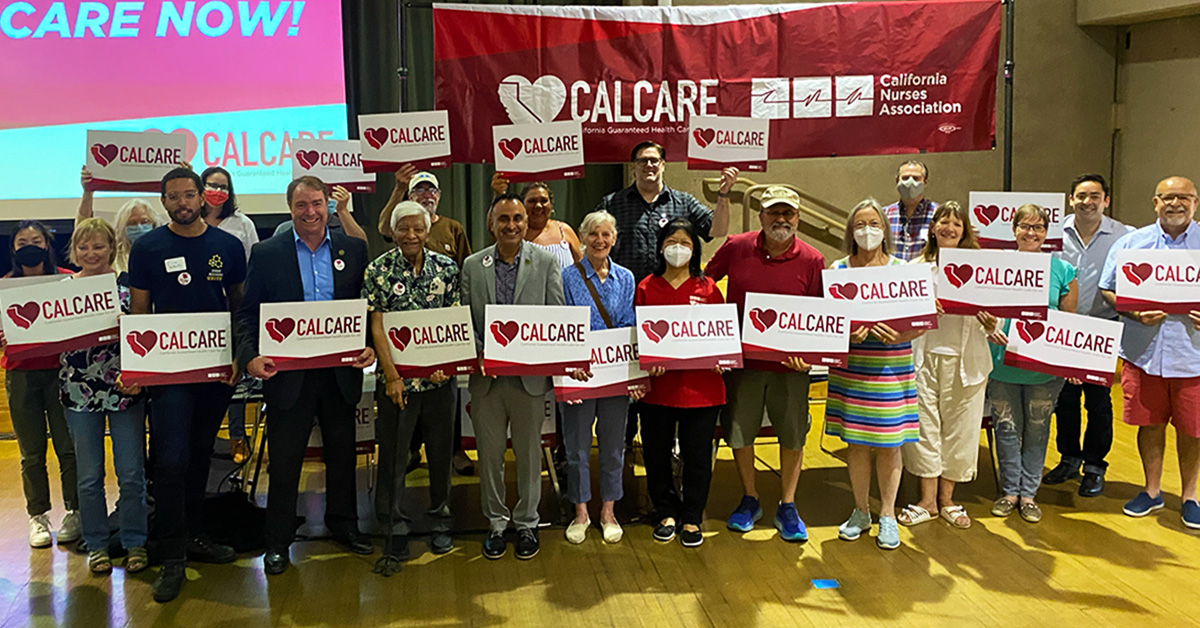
(189, 195)
(423, 191)
(1039, 228)
(786, 214)
(647, 161)
(219, 187)
(1176, 198)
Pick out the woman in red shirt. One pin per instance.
(690, 400)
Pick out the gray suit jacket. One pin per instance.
(539, 282)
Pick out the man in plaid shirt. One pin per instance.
(910, 217)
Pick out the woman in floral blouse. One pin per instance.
(90, 391)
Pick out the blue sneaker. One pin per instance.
(1143, 504)
(853, 528)
(743, 518)
(889, 534)
(787, 521)
(1191, 514)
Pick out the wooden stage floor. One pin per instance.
(1085, 563)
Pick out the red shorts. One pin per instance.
(1153, 400)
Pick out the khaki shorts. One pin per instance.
(783, 395)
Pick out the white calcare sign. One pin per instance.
(535, 339)
(537, 152)
(1006, 284)
(899, 295)
(312, 334)
(614, 368)
(992, 213)
(689, 337)
(422, 342)
(1066, 345)
(390, 140)
(1158, 279)
(160, 349)
(776, 327)
(120, 160)
(43, 319)
(334, 162)
(718, 142)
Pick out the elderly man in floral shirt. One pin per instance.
(409, 277)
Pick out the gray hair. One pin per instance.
(409, 208)
(848, 243)
(596, 219)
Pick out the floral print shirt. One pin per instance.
(393, 285)
(88, 377)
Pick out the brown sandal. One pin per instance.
(137, 560)
(99, 563)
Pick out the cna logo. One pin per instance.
(532, 102)
(813, 97)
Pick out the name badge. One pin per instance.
(176, 264)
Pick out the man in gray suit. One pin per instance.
(511, 272)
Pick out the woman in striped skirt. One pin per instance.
(872, 403)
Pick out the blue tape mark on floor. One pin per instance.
(826, 584)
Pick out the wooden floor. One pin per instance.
(1085, 563)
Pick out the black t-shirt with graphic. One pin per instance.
(187, 274)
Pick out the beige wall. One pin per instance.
(1160, 120)
(1062, 113)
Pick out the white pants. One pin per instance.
(951, 416)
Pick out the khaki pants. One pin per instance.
(951, 416)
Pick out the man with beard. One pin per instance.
(182, 267)
(446, 235)
(1088, 235)
(909, 217)
(772, 261)
(1161, 376)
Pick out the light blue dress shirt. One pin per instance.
(316, 269)
(1172, 347)
(1088, 260)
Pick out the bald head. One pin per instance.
(1175, 203)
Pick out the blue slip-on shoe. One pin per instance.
(1191, 514)
(1143, 504)
(744, 516)
(787, 521)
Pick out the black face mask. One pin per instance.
(30, 256)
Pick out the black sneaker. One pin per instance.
(1092, 484)
(204, 550)
(527, 543)
(1066, 470)
(664, 532)
(441, 542)
(690, 538)
(494, 546)
(170, 580)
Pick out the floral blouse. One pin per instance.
(392, 285)
(88, 377)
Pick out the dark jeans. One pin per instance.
(184, 422)
(695, 432)
(34, 406)
(1097, 440)
(288, 431)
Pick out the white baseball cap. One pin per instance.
(423, 177)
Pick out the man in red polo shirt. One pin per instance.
(772, 261)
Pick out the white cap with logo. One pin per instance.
(422, 177)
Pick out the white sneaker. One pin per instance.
(39, 531)
(71, 528)
(612, 532)
(577, 532)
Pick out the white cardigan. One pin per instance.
(976, 359)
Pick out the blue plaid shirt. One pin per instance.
(909, 235)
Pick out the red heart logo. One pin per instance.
(142, 342)
(24, 315)
(104, 153)
(504, 332)
(987, 214)
(656, 330)
(763, 319)
(958, 274)
(1137, 273)
(1030, 331)
(280, 328)
(189, 141)
(846, 290)
(400, 337)
(308, 158)
(376, 137)
(704, 137)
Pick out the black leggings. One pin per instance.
(695, 432)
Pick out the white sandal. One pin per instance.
(952, 514)
(915, 514)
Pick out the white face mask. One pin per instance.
(677, 255)
(868, 238)
(909, 188)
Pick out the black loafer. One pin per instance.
(355, 542)
(690, 538)
(441, 543)
(1066, 470)
(204, 550)
(399, 549)
(170, 579)
(275, 562)
(527, 543)
(664, 532)
(1092, 485)
(494, 546)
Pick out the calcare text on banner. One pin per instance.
(161, 349)
(776, 327)
(334, 162)
(1066, 345)
(47, 318)
(689, 337)
(993, 212)
(422, 342)
(899, 295)
(390, 140)
(1006, 284)
(1158, 279)
(535, 339)
(312, 334)
(124, 161)
(614, 368)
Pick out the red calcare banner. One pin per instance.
(848, 78)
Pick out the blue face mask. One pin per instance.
(332, 206)
(133, 232)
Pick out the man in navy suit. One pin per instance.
(306, 263)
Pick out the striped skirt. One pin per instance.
(873, 401)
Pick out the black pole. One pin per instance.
(1009, 65)
(402, 35)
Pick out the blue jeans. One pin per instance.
(1021, 417)
(609, 415)
(128, 431)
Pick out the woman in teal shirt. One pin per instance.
(1022, 401)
